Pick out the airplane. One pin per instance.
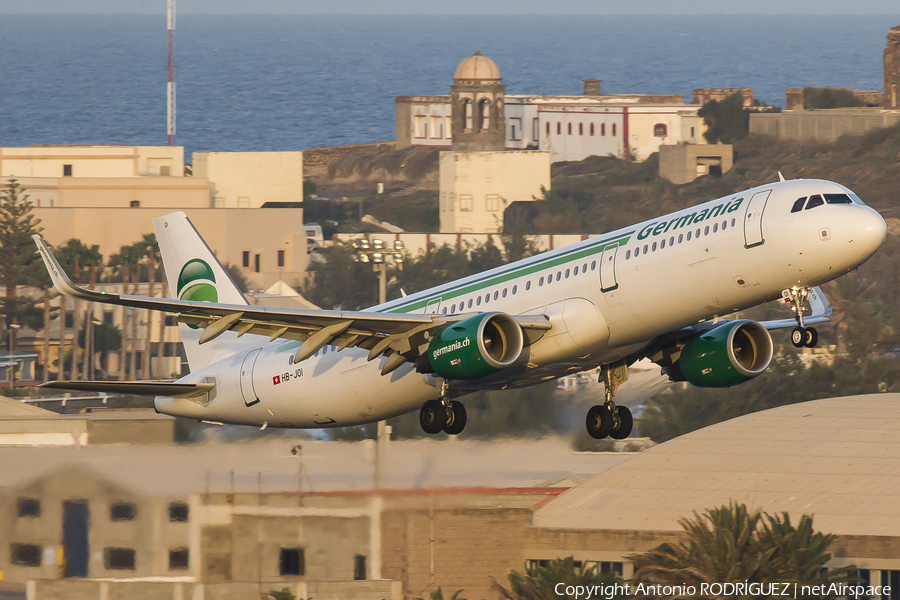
(661, 289)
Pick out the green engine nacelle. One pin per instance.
(476, 347)
(732, 353)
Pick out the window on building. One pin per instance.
(67, 170)
(892, 579)
(602, 128)
(421, 126)
(536, 128)
(611, 568)
(170, 320)
(219, 202)
(581, 129)
(118, 559)
(165, 170)
(437, 127)
(484, 114)
(569, 129)
(614, 130)
(108, 316)
(28, 507)
(245, 258)
(256, 266)
(292, 562)
(558, 128)
(592, 129)
(135, 204)
(548, 128)
(179, 559)
(359, 567)
(122, 511)
(281, 258)
(515, 129)
(25, 555)
(692, 132)
(243, 202)
(465, 202)
(179, 512)
(659, 130)
(493, 202)
(448, 128)
(467, 114)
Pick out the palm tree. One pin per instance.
(152, 249)
(92, 259)
(540, 583)
(127, 262)
(72, 255)
(730, 544)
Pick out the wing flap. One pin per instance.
(138, 388)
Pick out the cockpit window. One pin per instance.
(798, 205)
(814, 201)
(838, 199)
(856, 199)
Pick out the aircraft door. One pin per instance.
(247, 389)
(608, 269)
(753, 234)
(433, 306)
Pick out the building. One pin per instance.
(892, 69)
(568, 127)
(684, 163)
(703, 95)
(477, 187)
(109, 195)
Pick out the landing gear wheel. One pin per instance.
(599, 422)
(456, 418)
(812, 338)
(625, 424)
(798, 337)
(433, 416)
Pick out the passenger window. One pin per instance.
(732, 222)
(567, 274)
(680, 237)
(637, 251)
(646, 248)
(814, 201)
(516, 288)
(715, 227)
(689, 236)
(706, 230)
(662, 244)
(672, 241)
(541, 281)
(462, 306)
(654, 247)
(453, 310)
(724, 225)
(445, 310)
(470, 302)
(584, 268)
(798, 205)
(478, 301)
(698, 233)
(558, 275)
(628, 255)
(838, 199)
(504, 292)
(487, 297)
(594, 263)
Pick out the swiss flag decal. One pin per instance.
(276, 380)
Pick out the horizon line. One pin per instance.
(460, 14)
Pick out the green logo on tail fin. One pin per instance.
(197, 283)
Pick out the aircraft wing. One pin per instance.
(379, 333)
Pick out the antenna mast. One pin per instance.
(170, 75)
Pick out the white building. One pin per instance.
(568, 127)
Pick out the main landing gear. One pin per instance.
(608, 419)
(444, 415)
(800, 336)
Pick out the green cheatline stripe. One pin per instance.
(516, 272)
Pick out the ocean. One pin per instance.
(296, 82)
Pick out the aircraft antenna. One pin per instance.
(780, 176)
(170, 74)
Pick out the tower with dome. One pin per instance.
(477, 106)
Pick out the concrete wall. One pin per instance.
(683, 163)
(476, 187)
(824, 125)
(229, 232)
(250, 179)
(92, 161)
(175, 589)
(115, 192)
(423, 121)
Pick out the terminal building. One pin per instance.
(221, 521)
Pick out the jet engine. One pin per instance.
(727, 355)
(475, 347)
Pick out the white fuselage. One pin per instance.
(606, 298)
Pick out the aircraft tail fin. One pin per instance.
(194, 273)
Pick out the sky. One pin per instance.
(409, 7)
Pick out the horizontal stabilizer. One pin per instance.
(138, 388)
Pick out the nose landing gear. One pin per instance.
(608, 419)
(800, 336)
(444, 415)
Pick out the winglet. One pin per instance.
(780, 176)
(60, 280)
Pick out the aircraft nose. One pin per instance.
(869, 230)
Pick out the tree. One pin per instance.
(152, 248)
(438, 594)
(731, 544)
(19, 263)
(127, 263)
(237, 276)
(93, 260)
(540, 583)
(72, 257)
(726, 120)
